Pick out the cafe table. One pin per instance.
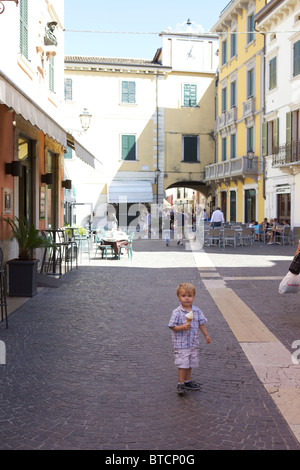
(115, 240)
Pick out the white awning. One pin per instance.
(80, 151)
(14, 98)
(134, 191)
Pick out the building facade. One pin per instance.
(236, 179)
(152, 120)
(32, 142)
(279, 22)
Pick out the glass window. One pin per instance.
(233, 146)
(250, 34)
(128, 147)
(128, 92)
(224, 99)
(250, 142)
(232, 206)
(272, 73)
(224, 52)
(296, 58)
(224, 149)
(190, 148)
(233, 94)
(189, 95)
(250, 83)
(233, 44)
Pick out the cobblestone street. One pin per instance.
(89, 364)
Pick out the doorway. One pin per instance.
(250, 205)
(25, 181)
(224, 204)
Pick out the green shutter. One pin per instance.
(128, 147)
(296, 62)
(276, 133)
(264, 139)
(51, 73)
(288, 128)
(272, 73)
(128, 92)
(68, 89)
(24, 28)
(189, 95)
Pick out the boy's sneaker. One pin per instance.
(181, 389)
(191, 385)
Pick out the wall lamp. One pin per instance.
(14, 168)
(85, 119)
(67, 184)
(48, 178)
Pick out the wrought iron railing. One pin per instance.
(286, 154)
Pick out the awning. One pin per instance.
(14, 98)
(134, 191)
(80, 151)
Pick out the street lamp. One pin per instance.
(250, 155)
(85, 119)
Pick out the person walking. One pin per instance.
(217, 218)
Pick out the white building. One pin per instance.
(279, 20)
(144, 114)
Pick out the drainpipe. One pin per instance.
(263, 110)
(157, 141)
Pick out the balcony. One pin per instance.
(235, 169)
(248, 107)
(287, 155)
(227, 118)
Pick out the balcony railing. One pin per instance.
(286, 154)
(236, 167)
(226, 119)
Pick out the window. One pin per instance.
(128, 92)
(233, 44)
(250, 30)
(190, 148)
(270, 137)
(68, 89)
(296, 58)
(233, 94)
(233, 146)
(189, 95)
(224, 52)
(232, 206)
(24, 28)
(272, 73)
(250, 141)
(224, 99)
(128, 147)
(250, 83)
(51, 73)
(224, 149)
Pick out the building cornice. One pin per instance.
(273, 14)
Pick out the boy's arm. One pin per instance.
(184, 327)
(205, 333)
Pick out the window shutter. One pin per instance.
(68, 89)
(190, 95)
(296, 54)
(128, 147)
(275, 133)
(128, 92)
(24, 28)
(264, 139)
(288, 128)
(51, 73)
(190, 149)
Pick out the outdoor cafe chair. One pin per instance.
(229, 235)
(286, 235)
(214, 237)
(100, 245)
(246, 235)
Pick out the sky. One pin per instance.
(118, 18)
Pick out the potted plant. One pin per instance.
(23, 270)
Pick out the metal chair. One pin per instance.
(229, 235)
(127, 245)
(214, 237)
(3, 302)
(286, 235)
(246, 235)
(100, 245)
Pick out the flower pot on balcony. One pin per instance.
(22, 277)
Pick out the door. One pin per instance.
(224, 204)
(25, 181)
(250, 205)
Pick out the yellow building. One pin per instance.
(236, 178)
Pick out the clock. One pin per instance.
(190, 55)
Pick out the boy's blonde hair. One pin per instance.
(186, 287)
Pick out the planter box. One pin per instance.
(22, 277)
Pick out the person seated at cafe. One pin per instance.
(252, 223)
(276, 230)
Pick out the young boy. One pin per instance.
(186, 336)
